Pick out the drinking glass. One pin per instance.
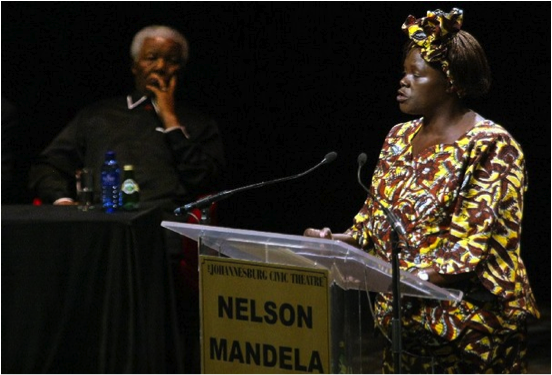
(85, 189)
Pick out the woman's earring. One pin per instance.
(459, 93)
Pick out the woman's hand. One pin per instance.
(320, 233)
(327, 234)
(440, 279)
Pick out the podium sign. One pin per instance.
(263, 318)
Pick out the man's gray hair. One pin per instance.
(155, 31)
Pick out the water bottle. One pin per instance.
(130, 192)
(111, 183)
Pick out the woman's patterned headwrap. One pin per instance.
(433, 33)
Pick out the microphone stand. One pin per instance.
(205, 217)
(205, 203)
(396, 230)
(396, 321)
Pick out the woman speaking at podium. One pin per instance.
(455, 181)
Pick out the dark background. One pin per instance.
(287, 82)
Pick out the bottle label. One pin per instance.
(109, 179)
(130, 186)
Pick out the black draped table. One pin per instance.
(86, 292)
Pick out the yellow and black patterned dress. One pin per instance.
(461, 205)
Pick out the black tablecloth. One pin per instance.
(86, 292)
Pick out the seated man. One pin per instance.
(177, 152)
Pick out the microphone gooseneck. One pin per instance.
(361, 161)
(207, 201)
(393, 220)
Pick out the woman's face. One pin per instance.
(423, 88)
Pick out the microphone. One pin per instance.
(393, 220)
(207, 201)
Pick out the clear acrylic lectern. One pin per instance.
(349, 270)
